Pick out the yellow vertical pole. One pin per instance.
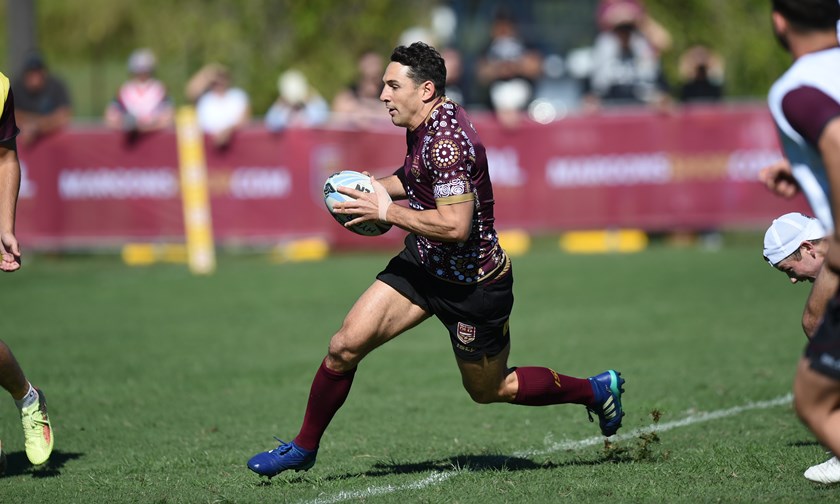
(198, 227)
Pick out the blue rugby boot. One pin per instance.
(607, 388)
(284, 457)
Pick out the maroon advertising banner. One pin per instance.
(693, 169)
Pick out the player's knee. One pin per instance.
(808, 408)
(483, 395)
(341, 354)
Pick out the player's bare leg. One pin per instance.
(11, 375)
(490, 380)
(379, 315)
(817, 402)
(37, 431)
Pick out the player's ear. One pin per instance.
(780, 24)
(427, 90)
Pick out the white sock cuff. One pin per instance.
(29, 399)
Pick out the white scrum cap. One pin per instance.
(786, 234)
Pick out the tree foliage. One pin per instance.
(257, 39)
(88, 41)
(740, 31)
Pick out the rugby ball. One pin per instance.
(359, 182)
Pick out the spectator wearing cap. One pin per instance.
(297, 104)
(42, 103)
(626, 66)
(142, 103)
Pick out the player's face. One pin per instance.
(402, 97)
(803, 269)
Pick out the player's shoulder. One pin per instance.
(818, 69)
(446, 116)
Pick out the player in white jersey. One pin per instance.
(805, 103)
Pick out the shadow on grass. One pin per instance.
(812, 442)
(474, 463)
(18, 465)
(478, 463)
(612, 453)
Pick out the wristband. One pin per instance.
(383, 199)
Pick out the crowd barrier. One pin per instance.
(692, 169)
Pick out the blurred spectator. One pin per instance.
(298, 104)
(452, 60)
(221, 108)
(42, 102)
(625, 65)
(358, 104)
(701, 75)
(656, 34)
(509, 67)
(142, 103)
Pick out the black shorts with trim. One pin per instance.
(823, 350)
(475, 315)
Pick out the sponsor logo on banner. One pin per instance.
(744, 164)
(118, 183)
(609, 170)
(465, 333)
(260, 182)
(505, 170)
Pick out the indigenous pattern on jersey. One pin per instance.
(803, 101)
(446, 164)
(8, 126)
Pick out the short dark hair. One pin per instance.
(424, 64)
(808, 15)
(796, 255)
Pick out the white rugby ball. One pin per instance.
(359, 182)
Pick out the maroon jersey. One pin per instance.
(446, 163)
(8, 127)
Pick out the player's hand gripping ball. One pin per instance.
(359, 182)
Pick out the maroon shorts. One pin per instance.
(475, 315)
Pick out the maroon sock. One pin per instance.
(539, 386)
(328, 392)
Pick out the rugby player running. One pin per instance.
(452, 268)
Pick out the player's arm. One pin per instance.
(451, 221)
(825, 286)
(393, 186)
(448, 223)
(829, 146)
(9, 187)
(778, 178)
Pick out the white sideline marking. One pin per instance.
(439, 477)
(660, 427)
(432, 479)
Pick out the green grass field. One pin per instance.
(161, 385)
